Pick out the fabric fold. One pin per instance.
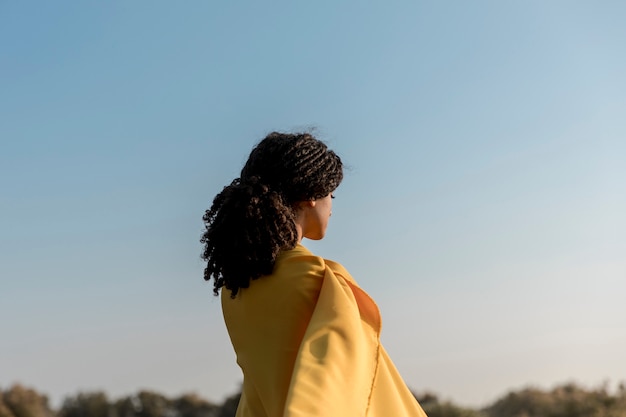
(307, 339)
(338, 357)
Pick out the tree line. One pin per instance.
(566, 400)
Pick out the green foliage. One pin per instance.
(22, 402)
(4, 410)
(229, 408)
(568, 400)
(152, 404)
(19, 401)
(433, 407)
(191, 405)
(94, 404)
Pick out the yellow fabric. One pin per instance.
(307, 341)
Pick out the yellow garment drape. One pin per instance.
(307, 341)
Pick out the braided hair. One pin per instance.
(253, 219)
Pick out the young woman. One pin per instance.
(306, 336)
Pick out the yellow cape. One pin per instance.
(307, 339)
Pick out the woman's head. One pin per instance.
(297, 166)
(254, 218)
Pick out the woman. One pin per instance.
(306, 336)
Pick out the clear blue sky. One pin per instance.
(484, 208)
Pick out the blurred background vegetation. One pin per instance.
(567, 400)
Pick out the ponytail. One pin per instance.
(246, 227)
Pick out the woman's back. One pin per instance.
(266, 324)
(307, 341)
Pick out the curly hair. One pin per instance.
(253, 219)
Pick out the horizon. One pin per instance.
(612, 388)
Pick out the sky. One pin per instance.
(483, 205)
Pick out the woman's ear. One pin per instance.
(305, 204)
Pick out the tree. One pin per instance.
(25, 402)
(433, 407)
(229, 407)
(191, 405)
(93, 404)
(144, 404)
(568, 400)
(4, 410)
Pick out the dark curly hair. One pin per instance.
(253, 218)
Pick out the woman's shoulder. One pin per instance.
(299, 261)
(302, 258)
(336, 266)
(299, 254)
(339, 269)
